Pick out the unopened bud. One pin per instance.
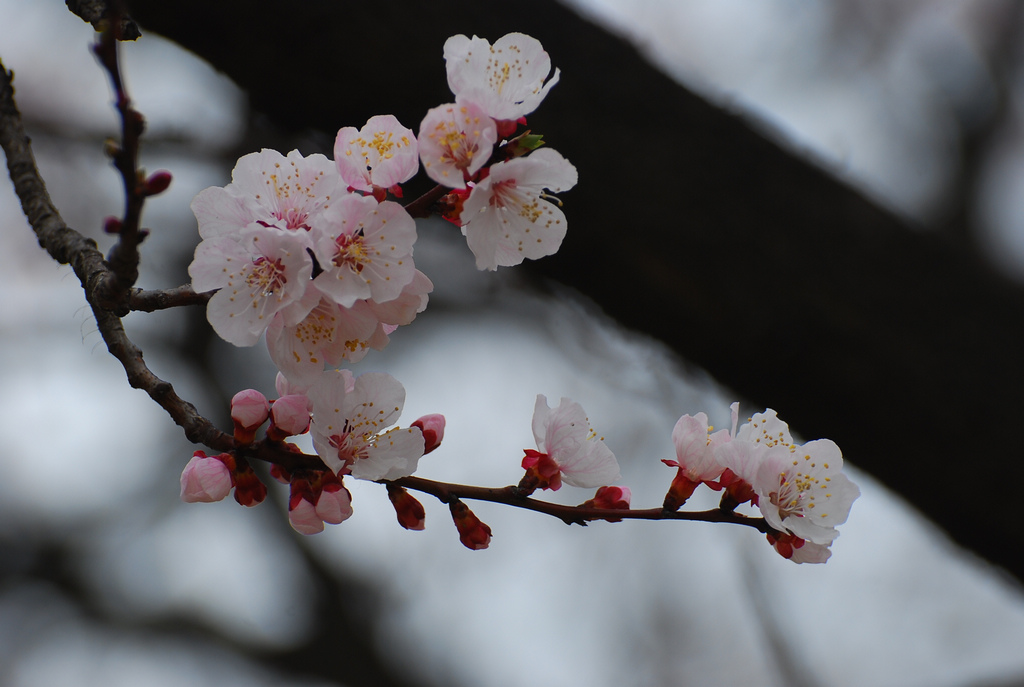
(112, 225)
(205, 479)
(334, 505)
(473, 533)
(289, 415)
(302, 516)
(249, 490)
(617, 498)
(249, 410)
(410, 512)
(157, 183)
(432, 427)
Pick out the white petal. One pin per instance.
(395, 454)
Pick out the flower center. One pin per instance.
(455, 148)
(350, 445)
(351, 251)
(794, 495)
(293, 218)
(266, 276)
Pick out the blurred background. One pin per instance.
(107, 579)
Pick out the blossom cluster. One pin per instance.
(311, 252)
(317, 256)
(351, 421)
(800, 489)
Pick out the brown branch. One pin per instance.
(161, 299)
(578, 515)
(69, 247)
(423, 206)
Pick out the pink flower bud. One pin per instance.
(205, 479)
(157, 183)
(432, 427)
(249, 410)
(472, 532)
(289, 415)
(410, 512)
(334, 504)
(303, 518)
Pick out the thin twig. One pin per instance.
(447, 492)
(123, 258)
(69, 247)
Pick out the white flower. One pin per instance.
(328, 335)
(365, 250)
(507, 217)
(272, 189)
(565, 438)
(260, 272)
(383, 153)
(695, 444)
(349, 423)
(800, 489)
(506, 79)
(455, 141)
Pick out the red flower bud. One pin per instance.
(410, 512)
(112, 225)
(157, 183)
(472, 533)
(249, 490)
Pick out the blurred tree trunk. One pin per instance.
(693, 226)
